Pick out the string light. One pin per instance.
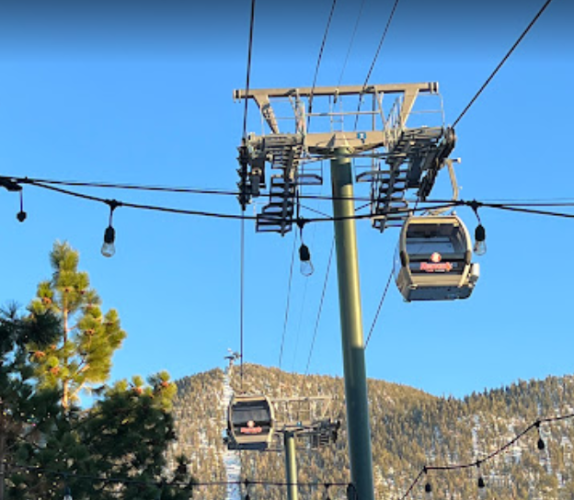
(540, 443)
(479, 232)
(246, 483)
(40, 471)
(160, 486)
(481, 483)
(67, 494)
(21, 215)
(428, 485)
(327, 485)
(352, 492)
(12, 185)
(306, 268)
(108, 248)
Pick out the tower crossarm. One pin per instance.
(259, 95)
(412, 155)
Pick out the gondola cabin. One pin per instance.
(250, 423)
(434, 259)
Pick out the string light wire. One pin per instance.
(187, 211)
(193, 483)
(429, 468)
(528, 208)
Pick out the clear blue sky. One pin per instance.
(140, 95)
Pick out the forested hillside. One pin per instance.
(410, 429)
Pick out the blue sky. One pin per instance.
(118, 94)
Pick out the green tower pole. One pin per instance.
(290, 465)
(358, 425)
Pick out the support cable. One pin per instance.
(351, 42)
(382, 40)
(241, 298)
(287, 306)
(244, 166)
(383, 37)
(248, 77)
(540, 202)
(318, 319)
(379, 308)
(488, 80)
(310, 106)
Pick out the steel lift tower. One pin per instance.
(393, 157)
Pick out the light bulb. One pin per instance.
(305, 258)
(68, 494)
(541, 444)
(479, 240)
(108, 248)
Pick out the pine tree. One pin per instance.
(128, 432)
(26, 414)
(114, 451)
(81, 356)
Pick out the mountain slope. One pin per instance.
(410, 429)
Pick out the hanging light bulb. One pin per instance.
(351, 492)
(327, 497)
(479, 240)
(305, 258)
(481, 483)
(428, 485)
(479, 232)
(21, 215)
(108, 248)
(540, 443)
(68, 494)
(246, 483)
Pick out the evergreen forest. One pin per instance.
(410, 430)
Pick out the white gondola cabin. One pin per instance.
(250, 423)
(434, 259)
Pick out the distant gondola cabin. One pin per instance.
(250, 423)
